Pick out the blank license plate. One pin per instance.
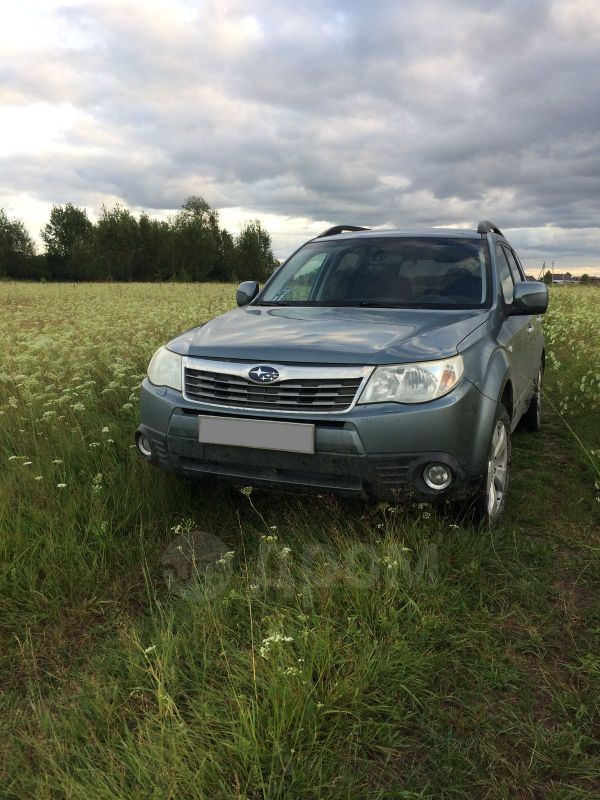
(291, 437)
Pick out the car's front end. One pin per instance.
(346, 446)
(307, 388)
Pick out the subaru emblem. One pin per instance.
(263, 374)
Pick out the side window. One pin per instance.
(514, 267)
(504, 274)
(519, 265)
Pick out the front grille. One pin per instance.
(297, 394)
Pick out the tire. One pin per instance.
(532, 418)
(490, 500)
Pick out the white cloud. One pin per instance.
(435, 113)
(39, 128)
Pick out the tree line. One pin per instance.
(190, 246)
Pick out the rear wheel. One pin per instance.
(532, 418)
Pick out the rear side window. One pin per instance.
(505, 275)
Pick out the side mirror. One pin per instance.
(246, 292)
(529, 298)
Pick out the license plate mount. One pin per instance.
(259, 434)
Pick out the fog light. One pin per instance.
(437, 476)
(144, 445)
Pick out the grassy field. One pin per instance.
(340, 649)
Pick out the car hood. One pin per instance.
(330, 335)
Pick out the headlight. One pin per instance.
(413, 383)
(165, 369)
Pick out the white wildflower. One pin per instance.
(274, 638)
(290, 671)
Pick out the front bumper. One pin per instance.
(371, 450)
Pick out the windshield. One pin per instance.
(402, 272)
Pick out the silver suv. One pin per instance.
(371, 362)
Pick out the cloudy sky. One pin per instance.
(381, 113)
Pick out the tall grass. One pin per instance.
(338, 649)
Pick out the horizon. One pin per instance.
(233, 222)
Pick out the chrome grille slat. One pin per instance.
(287, 395)
(220, 386)
(206, 377)
(303, 394)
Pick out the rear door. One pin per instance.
(514, 336)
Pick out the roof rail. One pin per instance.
(485, 226)
(340, 229)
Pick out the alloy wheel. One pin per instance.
(497, 472)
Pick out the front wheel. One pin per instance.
(491, 496)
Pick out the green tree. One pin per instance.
(116, 244)
(547, 276)
(197, 240)
(154, 256)
(255, 260)
(17, 250)
(228, 258)
(63, 235)
(585, 278)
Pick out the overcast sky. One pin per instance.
(311, 113)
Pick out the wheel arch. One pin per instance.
(497, 382)
(497, 388)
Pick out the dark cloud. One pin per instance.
(413, 113)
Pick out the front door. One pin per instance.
(534, 342)
(515, 336)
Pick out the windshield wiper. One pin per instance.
(356, 302)
(375, 304)
(381, 304)
(342, 304)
